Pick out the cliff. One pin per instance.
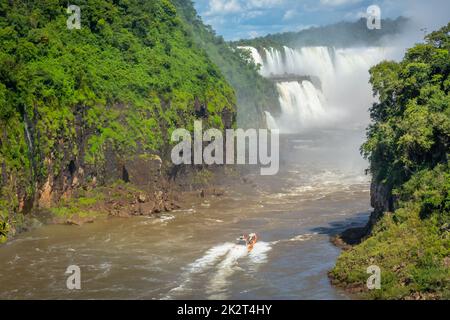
(84, 108)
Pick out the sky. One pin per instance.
(237, 19)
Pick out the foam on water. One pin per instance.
(303, 237)
(207, 261)
(259, 253)
(297, 238)
(162, 219)
(229, 265)
(221, 261)
(212, 256)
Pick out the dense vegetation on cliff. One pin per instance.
(73, 100)
(255, 94)
(408, 147)
(340, 35)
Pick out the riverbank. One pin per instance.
(412, 255)
(411, 252)
(87, 204)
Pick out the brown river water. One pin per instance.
(191, 253)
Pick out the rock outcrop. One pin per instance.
(382, 201)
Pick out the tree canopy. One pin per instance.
(120, 84)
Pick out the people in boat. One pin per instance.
(251, 238)
(248, 240)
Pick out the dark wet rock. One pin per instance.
(148, 208)
(354, 236)
(382, 201)
(78, 221)
(216, 192)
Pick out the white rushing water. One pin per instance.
(270, 121)
(338, 93)
(302, 105)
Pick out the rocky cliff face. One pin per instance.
(84, 108)
(381, 200)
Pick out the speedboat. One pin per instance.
(248, 240)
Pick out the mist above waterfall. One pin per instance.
(339, 98)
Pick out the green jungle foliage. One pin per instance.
(408, 148)
(120, 84)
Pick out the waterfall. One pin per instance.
(270, 121)
(28, 137)
(29, 142)
(343, 96)
(301, 104)
(257, 59)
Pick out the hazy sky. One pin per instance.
(235, 19)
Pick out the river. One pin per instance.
(190, 254)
